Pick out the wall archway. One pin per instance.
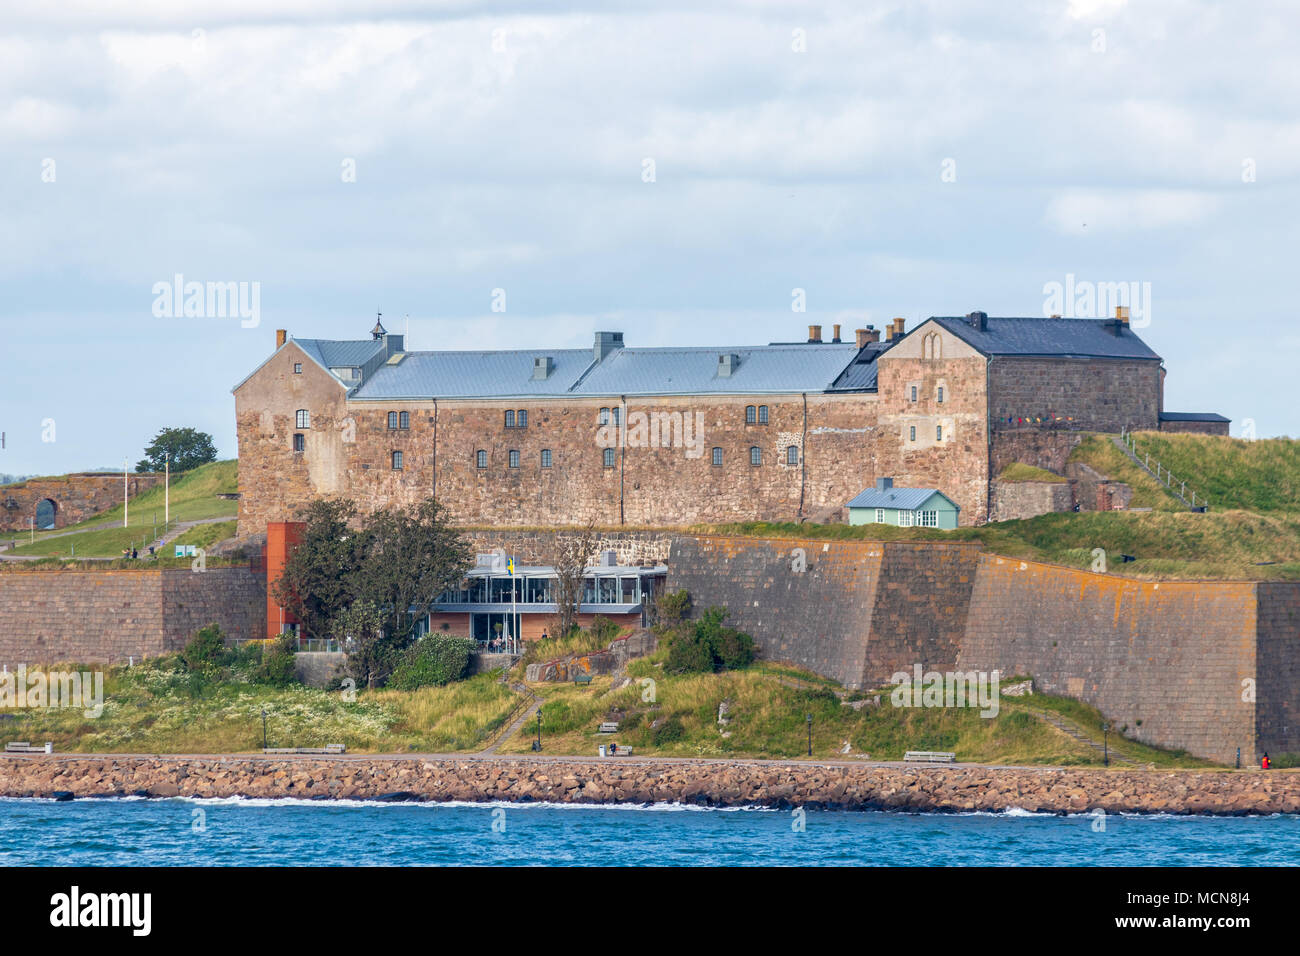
(47, 513)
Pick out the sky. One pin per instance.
(519, 175)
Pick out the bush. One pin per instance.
(709, 647)
(672, 608)
(206, 649)
(670, 731)
(277, 667)
(603, 629)
(433, 660)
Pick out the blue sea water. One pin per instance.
(244, 832)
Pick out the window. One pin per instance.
(546, 458)
(514, 458)
(880, 516)
(397, 461)
(481, 458)
(717, 457)
(392, 419)
(297, 368)
(751, 414)
(755, 455)
(404, 420)
(609, 458)
(940, 394)
(299, 443)
(510, 418)
(905, 518)
(928, 519)
(792, 455)
(762, 414)
(604, 416)
(521, 418)
(911, 435)
(302, 418)
(913, 393)
(938, 433)
(615, 412)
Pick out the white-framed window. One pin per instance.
(302, 418)
(297, 368)
(928, 519)
(880, 516)
(905, 518)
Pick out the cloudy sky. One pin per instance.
(670, 170)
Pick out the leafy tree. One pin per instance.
(410, 556)
(571, 554)
(371, 654)
(433, 660)
(187, 448)
(709, 646)
(319, 578)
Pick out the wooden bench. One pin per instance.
(581, 679)
(929, 756)
(608, 727)
(620, 752)
(23, 747)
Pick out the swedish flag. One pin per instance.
(511, 567)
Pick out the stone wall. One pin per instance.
(1013, 500)
(89, 616)
(1277, 693)
(76, 497)
(539, 547)
(859, 613)
(1103, 395)
(1198, 428)
(1165, 660)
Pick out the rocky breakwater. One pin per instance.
(636, 780)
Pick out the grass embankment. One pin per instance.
(158, 707)
(1019, 471)
(1100, 453)
(193, 497)
(1262, 476)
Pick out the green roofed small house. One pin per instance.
(904, 507)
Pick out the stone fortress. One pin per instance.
(654, 437)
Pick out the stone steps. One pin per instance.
(1078, 732)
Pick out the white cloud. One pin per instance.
(1083, 212)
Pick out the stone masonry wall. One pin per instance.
(1013, 500)
(1165, 660)
(1102, 395)
(107, 616)
(1277, 713)
(76, 497)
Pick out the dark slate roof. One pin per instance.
(1192, 417)
(1083, 338)
(906, 499)
(861, 374)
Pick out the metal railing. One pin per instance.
(1161, 473)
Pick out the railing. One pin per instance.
(319, 644)
(1161, 473)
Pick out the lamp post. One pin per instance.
(264, 747)
(537, 745)
(809, 719)
(1105, 744)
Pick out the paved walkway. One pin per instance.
(180, 528)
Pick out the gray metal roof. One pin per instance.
(469, 374)
(335, 354)
(1192, 417)
(907, 499)
(1090, 338)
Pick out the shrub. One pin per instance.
(672, 608)
(206, 649)
(603, 629)
(710, 646)
(432, 660)
(670, 731)
(277, 667)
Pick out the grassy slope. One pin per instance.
(1261, 476)
(1099, 452)
(193, 496)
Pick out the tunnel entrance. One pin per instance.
(45, 514)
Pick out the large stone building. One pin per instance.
(622, 435)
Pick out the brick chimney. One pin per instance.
(1121, 313)
(869, 334)
(978, 320)
(281, 336)
(814, 334)
(896, 329)
(835, 338)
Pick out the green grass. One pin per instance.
(1232, 473)
(1100, 453)
(1018, 471)
(193, 497)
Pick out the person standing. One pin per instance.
(1265, 763)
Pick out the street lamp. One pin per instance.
(809, 718)
(537, 744)
(1105, 744)
(264, 746)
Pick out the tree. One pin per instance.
(571, 554)
(319, 579)
(411, 556)
(709, 646)
(371, 655)
(186, 447)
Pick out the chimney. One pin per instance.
(727, 364)
(978, 320)
(1121, 313)
(836, 337)
(543, 366)
(896, 329)
(814, 334)
(607, 342)
(869, 334)
(884, 484)
(281, 336)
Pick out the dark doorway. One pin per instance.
(45, 512)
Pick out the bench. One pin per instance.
(608, 727)
(327, 749)
(929, 756)
(621, 752)
(581, 679)
(23, 747)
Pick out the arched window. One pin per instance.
(481, 458)
(514, 458)
(616, 411)
(762, 414)
(751, 414)
(755, 455)
(510, 418)
(392, 419)
(609, 458)
(521, 418)
(792, 455)
(302, 418)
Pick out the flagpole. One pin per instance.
(167, 491)
(514, 614)
(126, 501)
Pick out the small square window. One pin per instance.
(297, 368)
(302, 418)
(717, 457)
(546, 458)
(397, 461)
(299, 443)
(514, 458)
(481, 458)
